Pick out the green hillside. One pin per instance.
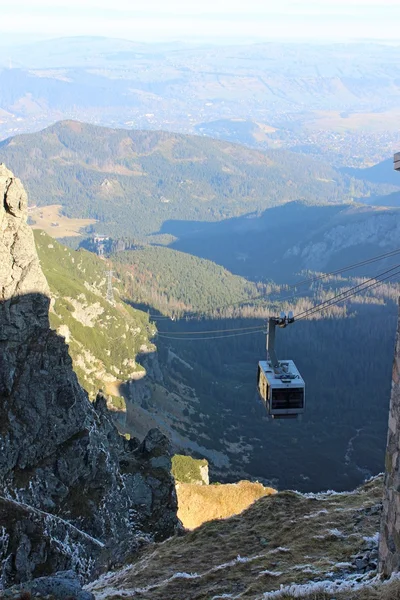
(134, 181)
(104, 339)
(175, 282)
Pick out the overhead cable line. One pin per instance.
(217, 337)
(373, 282)
(309, 280)
(213, 330)
(341, 296)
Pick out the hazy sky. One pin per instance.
(160, 20)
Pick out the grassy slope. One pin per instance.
(201, 503)
(133, 181)
(104, 340)
(280, 540)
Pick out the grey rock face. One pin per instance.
(389, 547)
(64, 585)
(81, 494)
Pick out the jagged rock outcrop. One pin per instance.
(389, 545)
(78, 493)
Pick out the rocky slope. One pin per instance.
(389, 549)
(73, 492)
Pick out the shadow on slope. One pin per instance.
(342, 435)
(274, 245)
(392, 199)
(382, 172)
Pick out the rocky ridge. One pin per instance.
(73, 492)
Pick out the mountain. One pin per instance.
(134, 181)
(71, 487)
(104, 338)
(382, 172)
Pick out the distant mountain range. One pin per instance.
(133, 182)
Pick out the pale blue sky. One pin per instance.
(156, 20)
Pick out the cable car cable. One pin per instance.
(370, 286)
(218, 337)
(317, 278)
(212, 330)
(331, 302)
(377, 280)
(291, 286)
(341, 296)
(348, 293)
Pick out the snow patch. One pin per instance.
(308, 568)
(316, 514)
(336, 533)
(110, 591)
(373, 539)
(351, 583)
(279, 549)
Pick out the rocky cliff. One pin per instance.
(73, 492)
(389, 547)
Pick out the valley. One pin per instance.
(221, 269)
(179, 195)
(133, 183)
(199, 388)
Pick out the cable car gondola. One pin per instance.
(279, 383)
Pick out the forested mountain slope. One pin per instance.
(176, 282)
(134, 181)
(111, 348)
